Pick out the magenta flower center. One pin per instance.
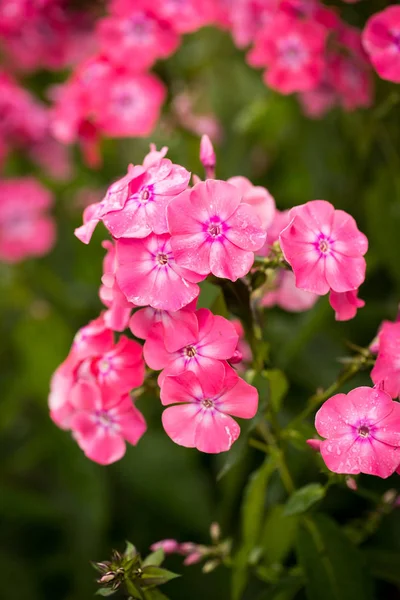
(207, 403)
(323, 245)
(104, 365)
(190, 351)
(162, 259)
(144, 195)
(104, 419)
(363, 431)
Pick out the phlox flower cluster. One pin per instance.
(25, 127)
(303, 46)
(167, 236)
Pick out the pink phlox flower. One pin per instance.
(201, 413)
(148, 274)
(26, 228)
(345, 304)
(136, 205)
(387, 365)
(186, 16)
(381, 40)
(94, 357)
(286, 295)
(178, 327)
(318, 101)
(119, 309)
(103, 422)
(212, 230)
(215, 341)
(207, 153)
(362, 431)
(154, 156)
(258, 197)
(293, 52)
(140, 35)
(249, 17)
(324, 248)
(351, 78)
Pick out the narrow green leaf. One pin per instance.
(130, 551)
(155, 594)
(333, 566)
(134, 590)
(279, 534)
(279, 386)
(252, 515)
(304, 498)
(156, 576)
(105, 592)
(155, 558)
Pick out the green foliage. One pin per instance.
(302, 499)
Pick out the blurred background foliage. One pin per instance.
(58, 510)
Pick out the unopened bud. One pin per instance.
(389, 497)
(192, 559)
(314, 444)
(215, 530)
(110, 576)
(351, 483)
(210, 565)
(207, 156)
(234, 360)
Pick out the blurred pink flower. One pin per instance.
(381, 40)
(25, 227)
(387, 365)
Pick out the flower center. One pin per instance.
(144, 196)
(104, 419)
(323, 245)
(104, 365)
(162, 259)
(363, 431)
(190, 351)
(207, 403)
(214, 229)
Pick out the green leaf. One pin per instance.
(286, 589)
(333, 566)
(252, 515)
(156, 576)
(278, 387)
(134, 590)
(383, 564)
(130, 551)
(105, 592)
(155, 558)
(304, 498)
(279, 534)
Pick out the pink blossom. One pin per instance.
(214, 341)
(200, 417)
(119, 309)
(286, 295)
(25, 227)
(103, 422)
(184, 105)
(213, 231)
(387, 365)
(169, 546)
(148, 274)
(137, 40)
(362, 431)
(135, 205)
(345, 304)
(249, 17)
(178, 327)
(293, 51)
(258, 197)
(351, 77)
(186, 15)
(381, 40)
(324, 248)
(117, 368)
